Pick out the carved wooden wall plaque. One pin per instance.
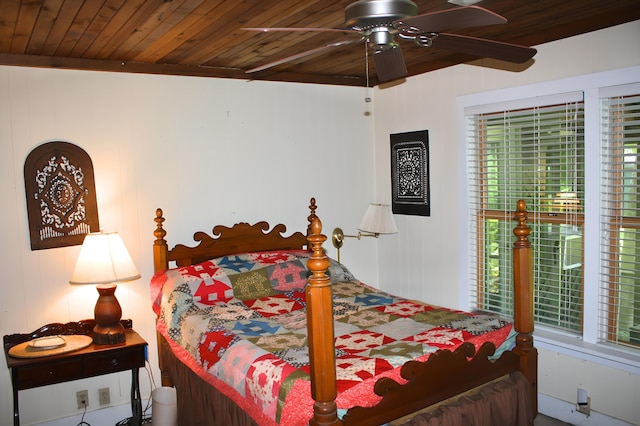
(61, 195)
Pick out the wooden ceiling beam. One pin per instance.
(34, 61)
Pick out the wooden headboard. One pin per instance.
(240, 238)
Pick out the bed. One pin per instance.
(340, 352)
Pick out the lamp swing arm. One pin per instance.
(338, 236)
(364, 234)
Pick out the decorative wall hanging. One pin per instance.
(61, 195)
(410, 173)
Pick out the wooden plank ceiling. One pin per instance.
(203, 37)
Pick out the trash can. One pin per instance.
(164, 408)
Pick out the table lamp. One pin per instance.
(105, 261)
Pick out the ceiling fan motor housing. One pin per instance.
(365, 14)
(375, 18)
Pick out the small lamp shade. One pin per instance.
(104, 260)
(378, 219)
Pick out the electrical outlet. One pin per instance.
(83, 399)
(103, 396)
(585, 408)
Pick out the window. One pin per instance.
(536, 154)
(619, 316)
(574, 158)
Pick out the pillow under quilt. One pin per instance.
(245, 276)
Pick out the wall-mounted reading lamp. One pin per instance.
(377, 220)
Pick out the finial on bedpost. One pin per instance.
(310, 218)
(521, 231)
(160, 248)
(320, 331)
(159, 233)
(523, 297)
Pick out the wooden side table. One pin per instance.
(93, 360)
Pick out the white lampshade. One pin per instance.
(378, 219)
(103, 259)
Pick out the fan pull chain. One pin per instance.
(366, 61)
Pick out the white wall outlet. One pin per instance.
(103, 396)
(83, 399)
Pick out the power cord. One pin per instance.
(146, 419)
(152, 380)
(82, 422)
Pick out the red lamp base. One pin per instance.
(107, 313)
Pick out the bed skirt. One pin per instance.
(502, 402)
(199, 403)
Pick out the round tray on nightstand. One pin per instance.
(40, 348)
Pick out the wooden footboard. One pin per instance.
(444, 374)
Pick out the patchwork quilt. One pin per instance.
(240, 323)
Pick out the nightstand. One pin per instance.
(92, 360)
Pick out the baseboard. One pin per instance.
(547, 405)
(567, 412)
(108, 416)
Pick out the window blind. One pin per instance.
(619, 307)
(533, 153)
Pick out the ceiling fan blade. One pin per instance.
(484, 48)
(282, 29)
(301, 55)
(459, 17)
(390, 64)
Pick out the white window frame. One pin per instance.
(586, 347)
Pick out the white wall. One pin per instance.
(208, 151)
(425, 251)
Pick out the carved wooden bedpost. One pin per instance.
(160, 263)
(320, 328)
(523, 307)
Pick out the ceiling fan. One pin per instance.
(377, 22)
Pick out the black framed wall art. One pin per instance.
(61, 195)
(410, 192)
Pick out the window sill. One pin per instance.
(619, 358)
